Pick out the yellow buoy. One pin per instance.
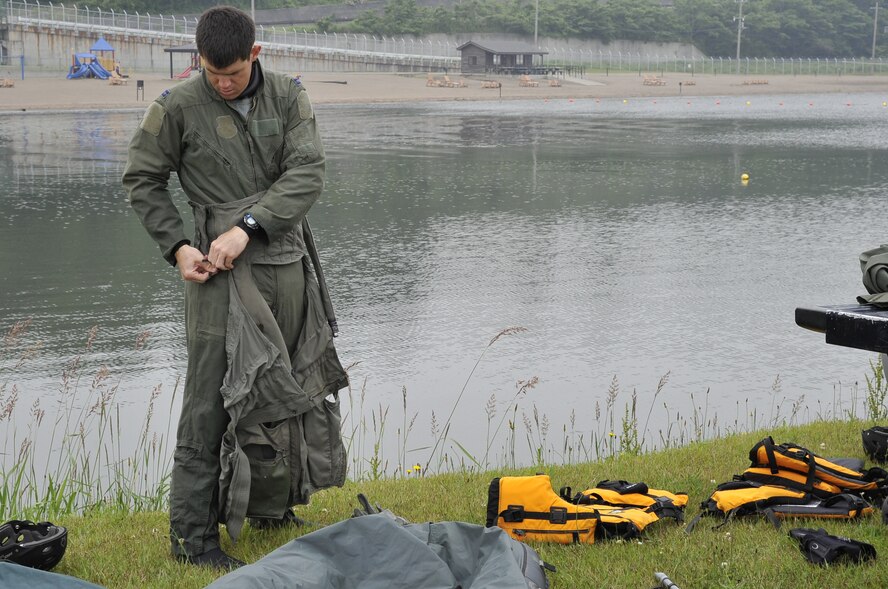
(885, 104)
(748, 103)
(744, 177)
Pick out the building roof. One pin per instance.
(504, 48)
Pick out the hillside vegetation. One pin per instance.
(773, 28)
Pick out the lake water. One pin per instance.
(618, 234)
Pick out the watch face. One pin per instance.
(250, 222)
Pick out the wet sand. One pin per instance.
(59, 93)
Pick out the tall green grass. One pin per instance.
(122, 551)
(77, 455)
(74, 461)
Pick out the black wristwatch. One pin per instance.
(250, 226)
(251, 222)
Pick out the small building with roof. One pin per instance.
(500, 57)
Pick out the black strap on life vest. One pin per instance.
(555, 515)
(806, 456)
(624, 487)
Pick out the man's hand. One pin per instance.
(193, 265)
(227, 247)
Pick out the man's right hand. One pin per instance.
(193, 265)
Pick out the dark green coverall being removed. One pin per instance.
(261, 157)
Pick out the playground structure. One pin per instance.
(86, 65)
(193, 67)
(95, 64)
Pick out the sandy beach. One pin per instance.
(59, 93)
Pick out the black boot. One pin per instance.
(215, 558)
(289, 519)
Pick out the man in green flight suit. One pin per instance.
(245, 147)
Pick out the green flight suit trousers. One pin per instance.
(194, 489)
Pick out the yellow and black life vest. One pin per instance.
(529, 509)
(841, 506)
(789, 456)
(741, 497)
(631, 495)
(782, 477)
(736, 498)
(788, 480)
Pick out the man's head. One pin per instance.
(226, 40)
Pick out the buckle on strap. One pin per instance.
(558, 515)
(513, 513)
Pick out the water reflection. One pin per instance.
(617, 233)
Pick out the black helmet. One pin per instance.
(875, 443)
(39, 546)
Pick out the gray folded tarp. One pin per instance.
(381, 551)
(14, 575)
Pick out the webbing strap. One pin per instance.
(808, 459)
(663, 507)
(556, 515)
(769, 452)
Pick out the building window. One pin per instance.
(519, 60)
(496, 59)
(473, 60)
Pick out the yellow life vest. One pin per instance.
(529, 509)
(635, 495)
(790, 479)
(767, 454)
(746, 497)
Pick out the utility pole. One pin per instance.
(536, 23)
(875, 28)
(739, 21)
(253, 10)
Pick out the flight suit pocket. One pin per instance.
(301, 144)
(187, 494)
(266, 447)
(216, 165)
(323, 438)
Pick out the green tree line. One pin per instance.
(772, 28)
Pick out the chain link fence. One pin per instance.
(181, 29)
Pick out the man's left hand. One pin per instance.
(227, 247)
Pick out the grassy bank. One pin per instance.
(131, 550)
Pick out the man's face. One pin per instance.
(230, 81)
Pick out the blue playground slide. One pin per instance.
(78, 71)
(89, 68)
(98, 71)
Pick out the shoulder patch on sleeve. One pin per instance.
(152, 120)
(304, 104)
